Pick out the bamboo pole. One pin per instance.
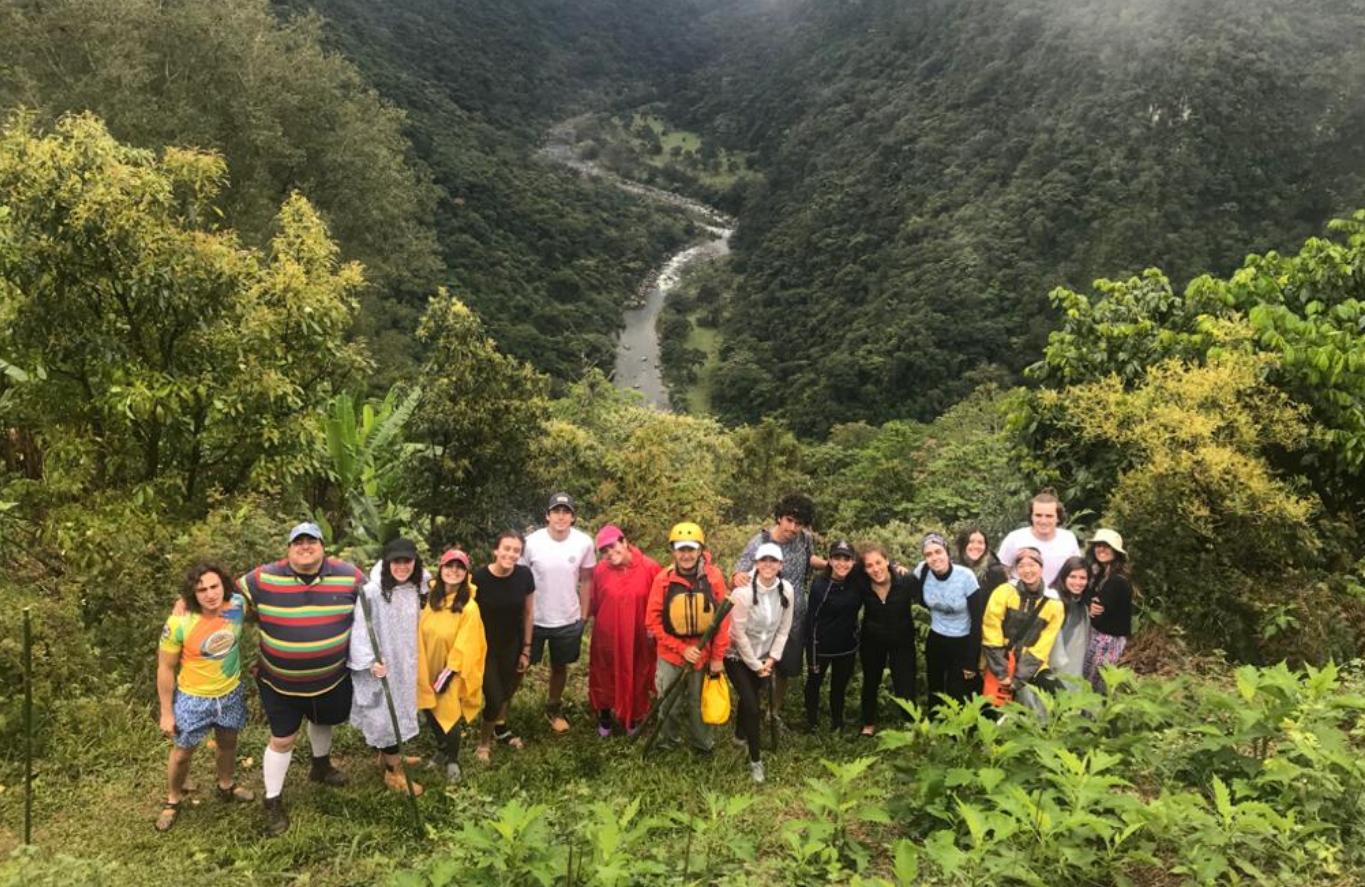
(665, 703)
(393, 712)
(28, 725)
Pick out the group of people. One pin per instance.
(337, 645)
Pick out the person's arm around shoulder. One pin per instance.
(361, 656)
(167, 659)
(654, 615)
(993, 633)
(721, 642)
(528, 619)
(744, 567)
(1008, 551)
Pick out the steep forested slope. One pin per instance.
(545, 258)
(933, 168)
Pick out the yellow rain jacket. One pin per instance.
(1006, 617)
(454, 641)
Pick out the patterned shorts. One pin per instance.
(196, 715)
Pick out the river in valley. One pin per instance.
(637, 350)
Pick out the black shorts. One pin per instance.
(565, 641)
(286, 713)
(789, 666)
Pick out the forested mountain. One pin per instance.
(448, 192)
(545, 258)
(934, 168)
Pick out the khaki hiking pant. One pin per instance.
(687, 705)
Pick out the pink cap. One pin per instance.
(455, 554)
(609, 535)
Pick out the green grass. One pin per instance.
(706, 340)
(99, 789)
(671, 137)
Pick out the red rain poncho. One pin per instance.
(621, 653)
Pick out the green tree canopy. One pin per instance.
(287, 115)
(158, 348)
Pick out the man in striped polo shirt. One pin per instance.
(306, 606)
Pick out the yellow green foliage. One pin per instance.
(637, 467)
(159, 349)
(1221, 534)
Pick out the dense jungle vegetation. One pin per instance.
(932, 169)
(259, 264)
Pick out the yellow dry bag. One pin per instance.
(715, 699)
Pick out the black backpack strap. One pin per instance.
(1027, 627)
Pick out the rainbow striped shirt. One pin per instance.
(305, 627)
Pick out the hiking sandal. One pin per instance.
(235, 792)
(509, 739)
(169, 811)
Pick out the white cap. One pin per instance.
(768, 549)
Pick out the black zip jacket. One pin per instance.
(832, 615)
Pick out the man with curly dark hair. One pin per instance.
(792, 518)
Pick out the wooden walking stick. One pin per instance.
(393, 712)
(28, 725)
(772, 708)
(664, 705)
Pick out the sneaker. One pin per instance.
(739, 742)
(453, 772)
(437, 761)
(323, 771)
(604, 730)
(756, 771)
(276, 820)
(558, 723)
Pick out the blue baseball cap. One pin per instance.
(307, 528)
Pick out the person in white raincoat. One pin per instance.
(395, 602)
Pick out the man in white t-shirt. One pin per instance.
(1055, 543)
(561, 558)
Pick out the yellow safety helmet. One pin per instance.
(686, 532)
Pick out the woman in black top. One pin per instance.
(888, 632)
(1111, 604)
(506, 596)
(836, 599)
(974, 552)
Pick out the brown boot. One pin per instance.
(395, 781)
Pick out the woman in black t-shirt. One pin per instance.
(506, 597)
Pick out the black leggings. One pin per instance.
(841, 668)
(747, 685)
(876, 656)
(448, 742)
(945, 658)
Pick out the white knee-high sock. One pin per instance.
(274, 766)
(320, 738)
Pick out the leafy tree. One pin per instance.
(286, 115)
(479, 414)
(161, 350)
(636, 466)
(1306, 309)
(1222, 542)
